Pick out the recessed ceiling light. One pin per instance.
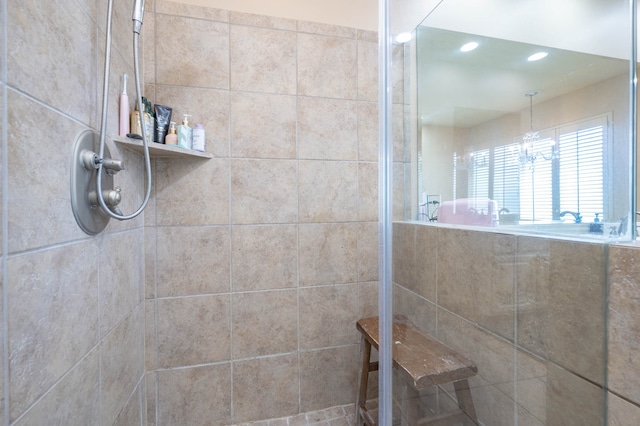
(537, 56)
(469, 47)
(403, 37)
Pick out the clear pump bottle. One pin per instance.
(185, 133)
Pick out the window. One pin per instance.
(563, 171)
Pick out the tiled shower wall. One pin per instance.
(532, 313)
(73, 311)
(260, 260)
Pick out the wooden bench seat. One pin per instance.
(422, 362)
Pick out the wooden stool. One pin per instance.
(422, 362)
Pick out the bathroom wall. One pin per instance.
(260, 260)
(72, 311)
(532, 313)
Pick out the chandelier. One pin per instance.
(527, 154)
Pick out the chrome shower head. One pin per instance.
(138, 14)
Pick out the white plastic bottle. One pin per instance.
(198, 138)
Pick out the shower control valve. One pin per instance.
(112, 166)
(90, 159)
(112, 197)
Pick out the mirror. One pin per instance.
(507, 139)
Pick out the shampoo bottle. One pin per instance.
(172, 137)
(124, 109)
(198, 138)
(185, 133)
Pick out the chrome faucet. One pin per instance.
(576, 216)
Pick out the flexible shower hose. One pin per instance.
(103, 124)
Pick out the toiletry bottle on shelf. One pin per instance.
(172, 137)
(198, 138)
(185, 133)
(124, 109)
(135, 121)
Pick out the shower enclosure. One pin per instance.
(519, 186)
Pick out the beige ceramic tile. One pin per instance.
(327, 254)
(533, 260)
(179, 198)
(531, 387)
(325, 29)
(200, 12)
(122, 364)
(193, 330)
(208, 107)
(265, 388)
(418, 310)
(63, 44)
(493, 355)
(367, 299)
(264, 191)
(150, 210)
(147, 49)
(121, 31)
(621, 412)
(53, 317)
(476, 272)
(262, 21)
(397, 74)
(397, 134)
(572, 400)
(368, 131)
(263, 125)
(415, 258)
(194, 396)
(426, 261)
(368, 251)
(327, 129)
(328, 315)
(151, 398)
(121, 277)
(328, 191)
(187, 256)
(150, 248)
(198, 58)
(367, 71)
(75, 400)
(576, 332)
(134, 409)
(338, 368)
(493, 407)
(34, 220)
(624, 329)
(264, 323)
(401, 176)
(263, 60)
(404, 244)
(150, 346)
(366, 35)
(264, 257)
(327, 66)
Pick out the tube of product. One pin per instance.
(163, 118)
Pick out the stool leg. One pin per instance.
(409, 414)
(465, 402)
(361, 397)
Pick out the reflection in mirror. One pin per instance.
(521, 135)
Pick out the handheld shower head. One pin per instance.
(138, 14)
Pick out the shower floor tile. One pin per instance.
(341, 415)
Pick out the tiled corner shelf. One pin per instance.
(158, 150)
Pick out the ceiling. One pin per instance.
(465, 89)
